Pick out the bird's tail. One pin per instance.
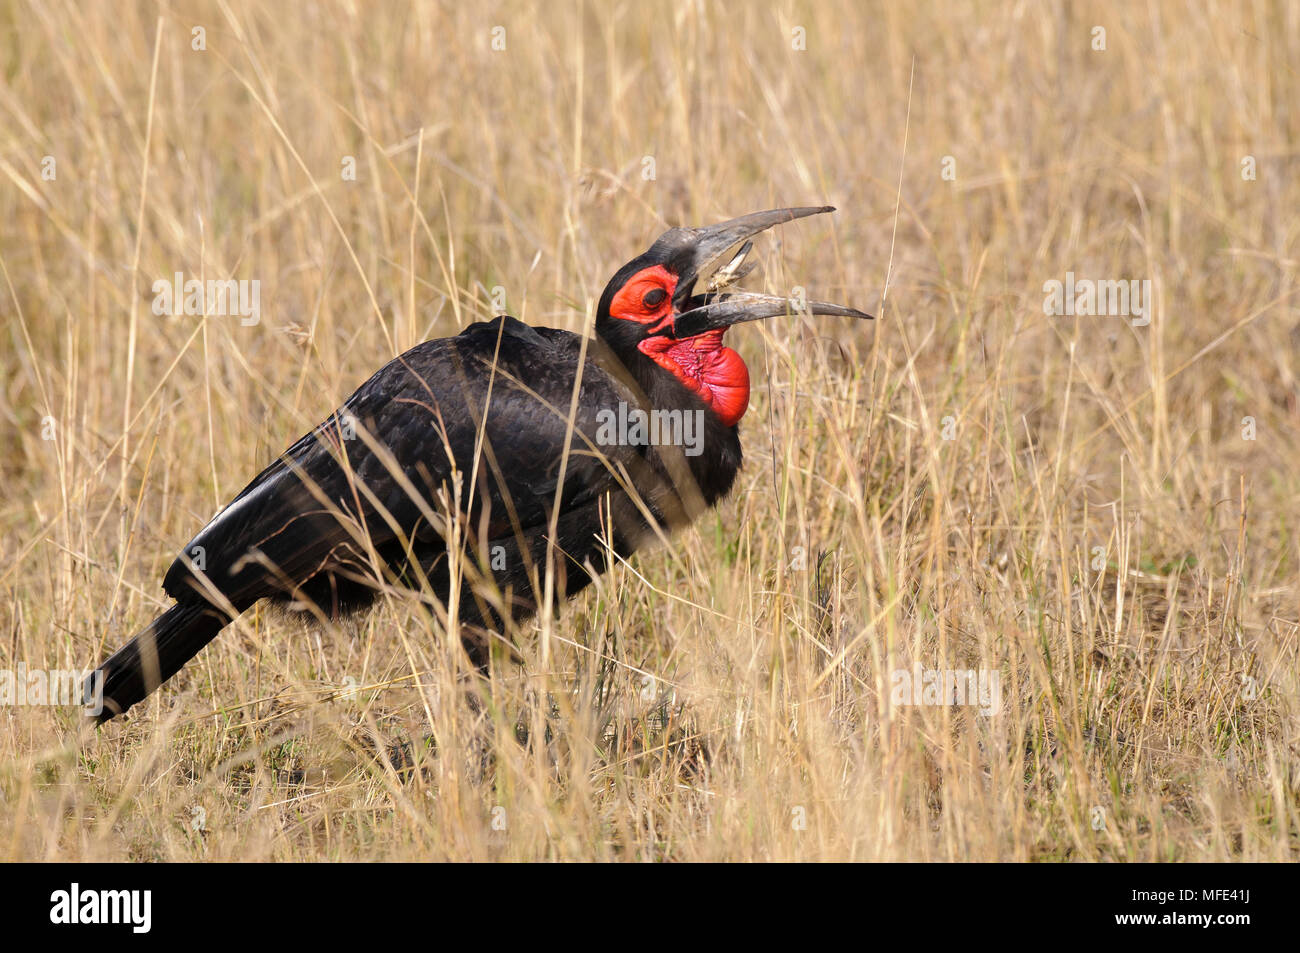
(152, 657)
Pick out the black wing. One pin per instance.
(385, 467)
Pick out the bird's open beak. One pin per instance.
(713, 309)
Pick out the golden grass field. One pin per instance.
(1070, 502)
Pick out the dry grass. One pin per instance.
(702, 700)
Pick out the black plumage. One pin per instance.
(481, 454)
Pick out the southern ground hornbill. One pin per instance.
(499, 465)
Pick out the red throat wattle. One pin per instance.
(715, 373)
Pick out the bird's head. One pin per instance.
(653, 307)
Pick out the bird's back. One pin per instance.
(475, 425)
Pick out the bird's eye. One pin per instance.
(654, 298)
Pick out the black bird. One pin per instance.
(487, 462)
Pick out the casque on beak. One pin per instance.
(715, 309)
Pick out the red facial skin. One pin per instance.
(714, 373)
